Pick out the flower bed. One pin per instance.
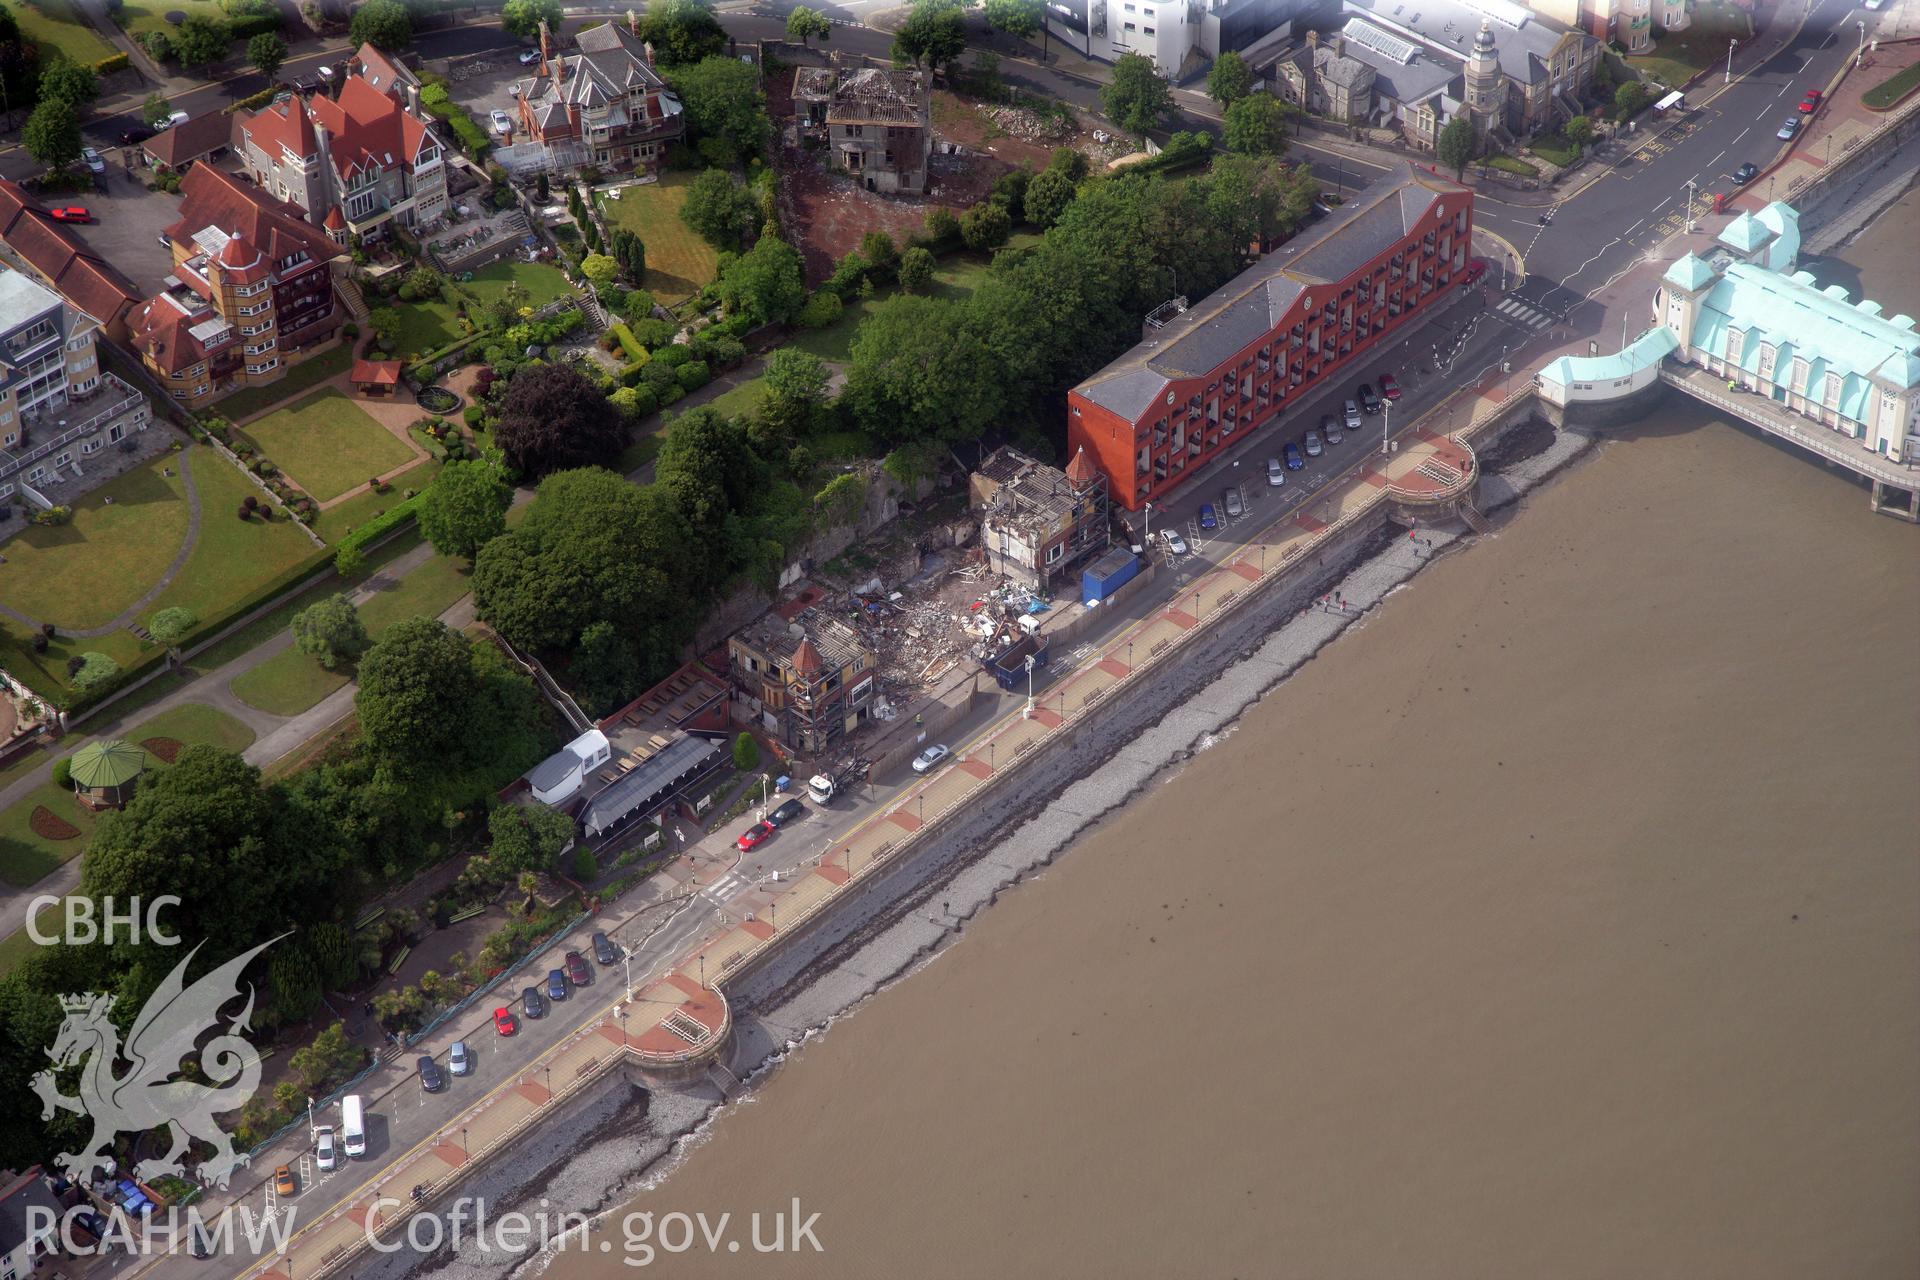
(49, 825)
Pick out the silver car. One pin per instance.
(1313, 444)
(929, 758)
(1176, 545)
(1276, 474)
(1353, 415)
(94, 162)
(1231, 500)
(1330, 429)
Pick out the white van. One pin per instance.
(353, 1127)
(325, 1154)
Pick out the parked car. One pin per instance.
(1369, 398)
(1208, 520)
(753, 836)
(604, 951)
(533, 1002)
(529, 56)
(71, 213)
(1389, 386)
(1313, 444)
(1330, 429)
(577, 971)
(1811, 103)
(283, 1183)
(94, 160)
(930, 758)
(430, 1078)
(1291, 452)
(556, 985)
(459, 1061)
(1351, 411)
(178, 118)
(1788, 127)
(1746, 173)
(502, 123)
(504, 1022)
(1231, 501)
(1276, 475)
(787, 814)
(1176, 545)
(326, 1156)
(1475, 269)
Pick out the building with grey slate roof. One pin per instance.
(877, 121)
(1206, 376)
(1366, 75)
(603, 105)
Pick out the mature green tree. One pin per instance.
(523, 17)
(331, 1055)
(1137, 98)
(170, 626)
(985, 226)
(93, 671)
(159, 47)
(418, 685)
(1456, 145)
(155, 110)
(553, 418)
(630, 252)
(796, 391)
(917, 373)
(465, 507)
(707, 468)
(1256, 125)
(334, 955)
(1048, 196)
(916, 270)
(1628, 99)
(331, 631)
(766, 283)
(1579, 132)
(881, 255)
(1230, 79)
(266, 52)
(599, 268)
(933, 35)
(68, 82)
(725, 109)
(606, 671)
(683, 32)
(526, 837)
(718, 209)
(52, 135)
(804, 23)
(746, 753)
(595, 548)
(385, 24)
(199, 41)
(1015, 17)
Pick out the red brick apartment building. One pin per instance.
(1202, 377)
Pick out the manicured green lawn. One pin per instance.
(290, 681)
(137, 17)
(53, 24)
(424, 327)
(542, 282)
(25, 856)
(428, 326)
(18, 945)
(1553, 148)
(1889, 92)
(309, 373)
(121, 538)
(1509, 164)
(1678, 56)
(194, 723)
(327, 444)
(679, 263)
(233, 557)
(335, 522)
(744, 398)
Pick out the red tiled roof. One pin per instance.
(210, 197)
(79, 275)
(369, 130)
(386, 75)
(281, 126)
(161, 330)
(193, 140)
(1081, 470)
(375, 373)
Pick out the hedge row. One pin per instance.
(392, 518)
(251, 102)
(107, 66)
(635, 353)
(1182, 149)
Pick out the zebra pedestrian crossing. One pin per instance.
(728, 887)
(1517, 311)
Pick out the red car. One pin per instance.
(1388, 387)
(1810, 103)
(1475, 269)
(71, 213)
(504, 1022)
(753, 835)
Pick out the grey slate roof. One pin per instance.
(1523, 40)
(28, 1193)
(1244, 309)
(649, 783)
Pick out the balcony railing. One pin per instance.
(121, 399)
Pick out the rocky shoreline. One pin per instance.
(622, 1137)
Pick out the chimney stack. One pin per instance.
(1340, 46)
(321, 201)
(646, 48)
(546, 42)
(413, 100)
(633, 21)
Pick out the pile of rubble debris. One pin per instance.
(1028, 126)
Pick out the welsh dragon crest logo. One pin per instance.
(147, 1097)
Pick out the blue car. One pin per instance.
(1207, 519)
(556, 985)
(1294, 460)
